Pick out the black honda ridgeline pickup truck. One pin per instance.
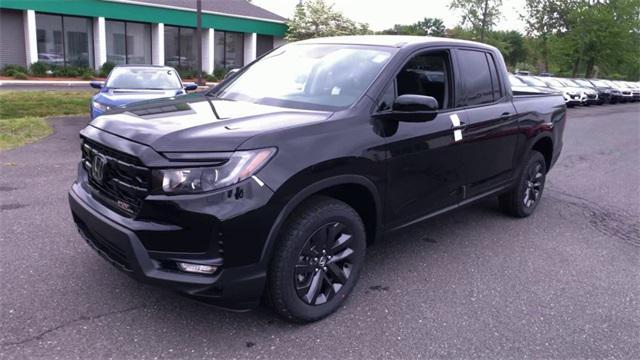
(272, 184)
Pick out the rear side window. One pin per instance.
(495, 81)
(477, 78)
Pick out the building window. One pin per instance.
(229, 49)
(64, 40)
(128, 42)
(264, 44)
(180, 47)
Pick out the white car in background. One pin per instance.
(573, 92)
(588, 95)
(571, 96)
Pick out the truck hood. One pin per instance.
(189, 123)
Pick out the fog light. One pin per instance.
(197, 268)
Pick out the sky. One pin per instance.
(382, 15)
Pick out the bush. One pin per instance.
(71, 71)
(12, 69)
(19, 75)
(106, 69)
(39, 69)
(219, 74)
(87, 75)
(187, 73)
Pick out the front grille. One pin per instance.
(591, 96)
(121, 183)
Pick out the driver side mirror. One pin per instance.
(412, 108)
(190, 86)
(96, 84)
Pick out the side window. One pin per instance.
(495, 81)
(426, 74)
(387, 98)
(476, 79)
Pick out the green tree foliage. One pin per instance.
(544, 19)
(424, 27)
(481, 15)
(586, 37)
(315, 18)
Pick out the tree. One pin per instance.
(315, 18)
(511, 44)
(482, 15)
(544, 18)
(432, 26)
(425, 27)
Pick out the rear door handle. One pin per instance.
(505, 115)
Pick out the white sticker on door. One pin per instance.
(455, 121)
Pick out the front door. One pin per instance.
(423, 161)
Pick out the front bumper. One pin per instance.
(237, 284)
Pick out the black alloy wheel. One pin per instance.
(317, 260)
(324, 264)
(523, 198)
(533, 189)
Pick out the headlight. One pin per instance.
(241, 165)
(100, 106)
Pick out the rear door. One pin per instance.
(489, 138)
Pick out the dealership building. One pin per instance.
(161, 32)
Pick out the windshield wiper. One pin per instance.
(213, 108)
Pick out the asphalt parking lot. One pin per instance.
(564, 283)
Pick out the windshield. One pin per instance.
(568, 82)
(554, 83)
(533, 81)
(515, 81)
(320, 76)
(584, 83)
(143, 78)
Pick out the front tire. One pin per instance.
(317, 260)
(523, 198)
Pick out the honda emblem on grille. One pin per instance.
(97, 167)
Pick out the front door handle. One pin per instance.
(462, 126)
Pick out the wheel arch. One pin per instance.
(357, 191)
(544, 145)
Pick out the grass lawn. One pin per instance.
(22, 113)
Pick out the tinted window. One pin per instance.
(495, 81)
(476, 79)
(426, 74)
(388, 96)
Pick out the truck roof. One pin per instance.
(397, 41)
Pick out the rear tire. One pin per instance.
(522, 200)
(317, 260)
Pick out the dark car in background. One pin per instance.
(604, 92)
(131, 83)
(272, 184)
